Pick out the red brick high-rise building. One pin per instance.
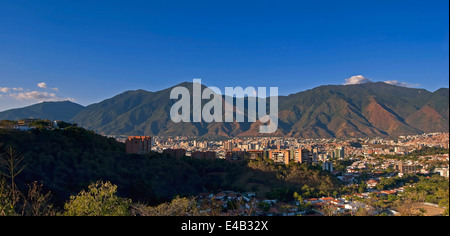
(138, 144)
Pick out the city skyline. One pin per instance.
(87, 52)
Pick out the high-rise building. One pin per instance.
(296, 155)
(323, 157)
(339, 152)
(228, 146)
(255, 154)
(405, 168)
(442, 172)
(138, 144)
(315, 149)
(280, 156)
(279, 144)
(300, 155)
(328, 166)
(203, 145)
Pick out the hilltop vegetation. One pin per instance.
(67, 160)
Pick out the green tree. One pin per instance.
(362, 187)
(37, 203)
(264, 206)
(63, 125)
(7, 205)
(380, 186)
(390, 170)
(392, 198)
(335, 193)
(99, 200)
(302, 205)
(298, 197)
(422, 212)
(306, 191)
(10, 167)
(177, 207)
(41, 124)
(444, 202)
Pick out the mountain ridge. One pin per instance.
(328, 111)
(63, 110)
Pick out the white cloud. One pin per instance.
(21, 94)
(356, 79)
(39, 96)
(360, 79)
(398, 83)
(33, 95)
(4, 90)
(7, 90)
(42, 85)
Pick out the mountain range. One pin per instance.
(329, 111)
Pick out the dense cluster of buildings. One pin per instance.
(318, 151)
(333, 148)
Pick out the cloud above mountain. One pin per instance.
(44, 86)
(33, 95)
(356, 79)
(38, 96)
(403, 84)
(43, 93)
(360, 79)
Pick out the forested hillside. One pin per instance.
(68, 160)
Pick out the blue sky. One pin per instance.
(87, 51)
